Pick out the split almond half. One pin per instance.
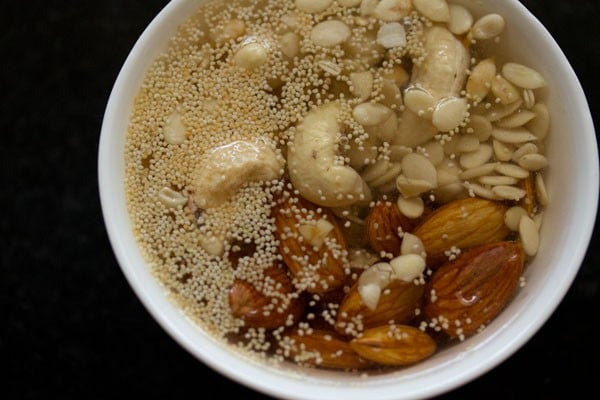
(461, 224)
(394, 345)
(466, 294)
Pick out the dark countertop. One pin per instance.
(71, 327)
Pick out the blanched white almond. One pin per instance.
(476, 158)
(480, 127)
(419, 101)
(516, 120)
(369, 114)
(251, 56)
(467, 143)
(512, 217)
(448, 173)
(478, 171)
(480, 79)
(499, 110)
(397, 75)
(513, 170)
(390, 175)
(508, 192)
(517, 135)
(449, 113)
(315, 233)
(418, 167)
(411, 208)
(528, 98)
(540, 190)
(411, 244)
(397, 152)
(435, 10)
(530, 236)
(330, 33)
(487, 27)
(391, 35)
(434, 152)
(540, 125)
(290, 44)
(533, 162)
(231, 29)
(384, 131)
(505, 91)
(363, 47)
(392, 10)
(527, 148)
(174, 129)
(522, 76)
(407, 267)
(370, 294)
(391, 94)
(313, 6)
(502, 151)
(412, 187)
(362, 84)
(476, 189)
(375, 170)
(213, 245)
(495, 180)
(367, 7)
(379, 274)
(460, 20)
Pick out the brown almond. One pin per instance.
(383, 225)
(397, 303)
(318, 270)
(321, 348)
(472, 290)
(394, 345)
(463, 224)
(270, 308)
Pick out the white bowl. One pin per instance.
(572, 183)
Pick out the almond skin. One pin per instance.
(324, 349)
(528, 201)
(318, 270)
(251, 305)
(383, 224)
(463, 224)
(394, 345)
(398, 305)
(474, 288)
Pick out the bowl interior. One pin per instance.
(572, 182)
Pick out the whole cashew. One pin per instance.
(225, 169)
(314, 165)
(442, 74)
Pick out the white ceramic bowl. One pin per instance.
(572, 183)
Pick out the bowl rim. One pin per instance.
(269, 380)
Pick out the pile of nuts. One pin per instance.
(378, 195)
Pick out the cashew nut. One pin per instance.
(227, 168)
(314, 165)
(442, 74)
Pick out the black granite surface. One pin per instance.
(70, 326)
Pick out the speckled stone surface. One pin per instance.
(70, 326)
